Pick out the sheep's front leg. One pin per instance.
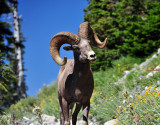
(61, 110)
(86, 108)
(65, 111)
(76, 111)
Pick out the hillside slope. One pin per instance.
(132, 99)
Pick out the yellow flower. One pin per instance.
(42, 103)
(100, 93)
(158, 118)
(119, 65)
(144, 99)
(15, 106)
(137, 95)
(131, 104)
(141, 115)
(91, 100)
(145, 93)
(120, 107)
(155, 95)
(141, 96)
(148, 88)
(118, 110)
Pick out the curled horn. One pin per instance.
(86, 31)
(57, 41)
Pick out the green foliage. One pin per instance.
(24, 107)
(49, 100)
(142, 109)
(104, 58)
(8, 80)
(46, 100)
(131, 26)
(5, 120)
(126, 102)
(8, 93)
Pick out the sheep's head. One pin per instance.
(80, 44)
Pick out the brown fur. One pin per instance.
(75, 79)
(75, 84)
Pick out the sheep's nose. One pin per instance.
(93, 55)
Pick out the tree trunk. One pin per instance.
(18, 52)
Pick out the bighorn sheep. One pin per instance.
(75, 79)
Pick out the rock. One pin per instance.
(153, 72)
(112, 122)
(48, 119)
(80, 122)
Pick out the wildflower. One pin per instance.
(155, 95)
(15, 106)
(124, 109)
(118, 110)
(144, 99)
(131, 104)
(141, 76)
(137, 95)
(100, 93)
(147, 88)
(125, 93)
(141, 115)
(152, 103)
(119, 65)
(124, 101)
(36, 110)
(131, 96)
(158, 118)
(91, 100)
(145, 93)
(120, 107)
(141, 96)
(136, 119)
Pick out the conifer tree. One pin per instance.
(132, 26)
(8, 81)
(18, 51)
(99, 14)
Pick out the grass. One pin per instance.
(126, 102)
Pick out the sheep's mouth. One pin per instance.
(92, 60)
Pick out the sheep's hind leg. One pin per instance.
(70, 110)
(86, 108)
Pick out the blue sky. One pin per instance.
(42, 20)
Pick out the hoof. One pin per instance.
(67, 123)
(85, 123)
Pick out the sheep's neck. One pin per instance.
(80, 68)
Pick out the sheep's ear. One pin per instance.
(67, 48)
(75, 47)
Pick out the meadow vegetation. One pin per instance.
(134, 102)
